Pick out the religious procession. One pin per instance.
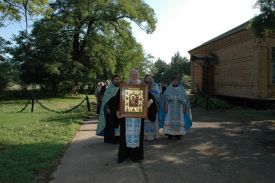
(159, 110)
(98, 91)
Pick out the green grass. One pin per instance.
(32, 144)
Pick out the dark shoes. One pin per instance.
(137, 161)
(178, 137)
(120, 160)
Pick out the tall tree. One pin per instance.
(84, 41)
(22, 59)
(160, 68)
(87, 17)
(180, 65)
(266, 20)
(5, 67)
(147, 65)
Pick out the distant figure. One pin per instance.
(73, 91)
(151, 128)
(108, 124)
(176, 103)
(102, 90)
(98, 96)
(161, 113)
(163, 87)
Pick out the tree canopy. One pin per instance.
(179, 66)
(5, 67)
(16, 10)
(266, 20)
(82, 42)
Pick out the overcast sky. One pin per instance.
(183, 24)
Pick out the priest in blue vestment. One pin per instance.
(177, 106)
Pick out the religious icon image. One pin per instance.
(133, 100)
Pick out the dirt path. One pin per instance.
(237, 147)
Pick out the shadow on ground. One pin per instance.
(221, 147)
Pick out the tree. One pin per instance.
(83, 42)
(179, 66)
(160, 69)
(88, 17)
(147, 65)
(22, 54)
(16, 9)
(266, 20)
(5, 68)
(50, 60)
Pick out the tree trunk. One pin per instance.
(76, 47)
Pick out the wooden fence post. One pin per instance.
(88, 103)
(32, 105)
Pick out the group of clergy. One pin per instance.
(168, 112)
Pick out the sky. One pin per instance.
(182, 24)
(185, 24)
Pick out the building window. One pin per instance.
(273, 65)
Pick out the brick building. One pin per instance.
(235, 64)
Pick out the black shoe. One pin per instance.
(137, 161)
(120, 160)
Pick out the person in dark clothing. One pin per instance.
(107, 122)
(163, 87)
(132, 129)
(102, 91)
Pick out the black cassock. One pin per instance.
(125, 152)
(111, 124)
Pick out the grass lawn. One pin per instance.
(32, 144)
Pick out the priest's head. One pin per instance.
(116, 80)
(148, 79)
(175, 81)
(134, 77)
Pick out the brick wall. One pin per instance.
(270, 86)
(236, 72)
(244, 68)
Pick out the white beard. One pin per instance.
(134, 81)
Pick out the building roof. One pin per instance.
(239, 28)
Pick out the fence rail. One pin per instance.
(207, 102)
(33, 101)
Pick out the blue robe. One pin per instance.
(178, 118)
